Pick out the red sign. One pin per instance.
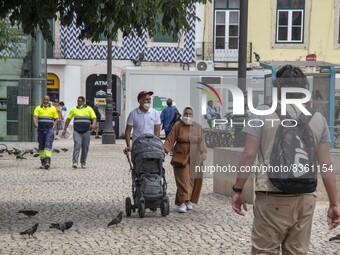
(311, 57)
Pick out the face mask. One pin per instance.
(187, 120)
(146, 106)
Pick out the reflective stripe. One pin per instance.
(82, 121)
(45, 119)
(48, 153)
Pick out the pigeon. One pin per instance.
(64, 149)
(117, 220)
(17, 151)
(30, 231)
(2, 144)
(335, 238)
(62, 226)
(28, 213)
(257, 56)
(56, 150)
(20, 157)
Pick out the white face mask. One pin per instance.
(187, 120)
(146, 106)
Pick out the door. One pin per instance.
(226, 35)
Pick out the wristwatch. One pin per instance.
(237, 190)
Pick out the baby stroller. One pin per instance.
(148, 180)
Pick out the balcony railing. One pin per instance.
(221, 52)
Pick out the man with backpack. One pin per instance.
(285, 199)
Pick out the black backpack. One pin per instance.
(293, 159)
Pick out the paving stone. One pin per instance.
(91, 197)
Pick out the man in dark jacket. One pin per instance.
(168, 117)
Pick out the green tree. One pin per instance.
(95, 17)
(8, 38)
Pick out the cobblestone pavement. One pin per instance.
(91, 197)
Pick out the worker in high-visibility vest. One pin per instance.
(45, 119)
(84, 122)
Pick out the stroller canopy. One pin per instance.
(147, 146)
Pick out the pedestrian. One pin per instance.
(63, 110)
(168, 117)
(212, 113)
(99, 116)
(45, 119)
(143, 120)
(189, 153)
(84, 122)
(59, 125)
(63, 119)
(283, 217)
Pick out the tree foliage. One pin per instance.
(8, 38)
(96, 17)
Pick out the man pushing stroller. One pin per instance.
(143, 120)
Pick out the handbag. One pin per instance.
(179, 159)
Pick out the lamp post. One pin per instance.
(242, 71)
(108, 135)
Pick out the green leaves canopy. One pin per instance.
(95, 17)
(8, 38)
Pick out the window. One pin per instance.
(290, 21)
(163, 38)
(227, 4)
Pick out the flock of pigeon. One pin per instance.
(19, 154)
(62, 226)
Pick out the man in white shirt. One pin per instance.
(143, 120)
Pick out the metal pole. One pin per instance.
(109, 136)
(242, 51)
(242, 70)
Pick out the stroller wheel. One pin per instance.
(141, 209)
(128, 206)
(165, 207)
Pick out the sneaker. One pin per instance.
(47, 166)
(189, 205)
(97, 136)
(182, 208)
(75, 165)
(42, 167)
(83, 165)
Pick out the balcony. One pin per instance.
(221, 52)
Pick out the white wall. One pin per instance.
(199, 30)
(72, 88)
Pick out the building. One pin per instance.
(22, 85)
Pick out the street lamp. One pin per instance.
(108, 135)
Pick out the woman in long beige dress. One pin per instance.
(188, 138)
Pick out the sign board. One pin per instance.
(311, 57)
(21, 100)
(100, 101)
